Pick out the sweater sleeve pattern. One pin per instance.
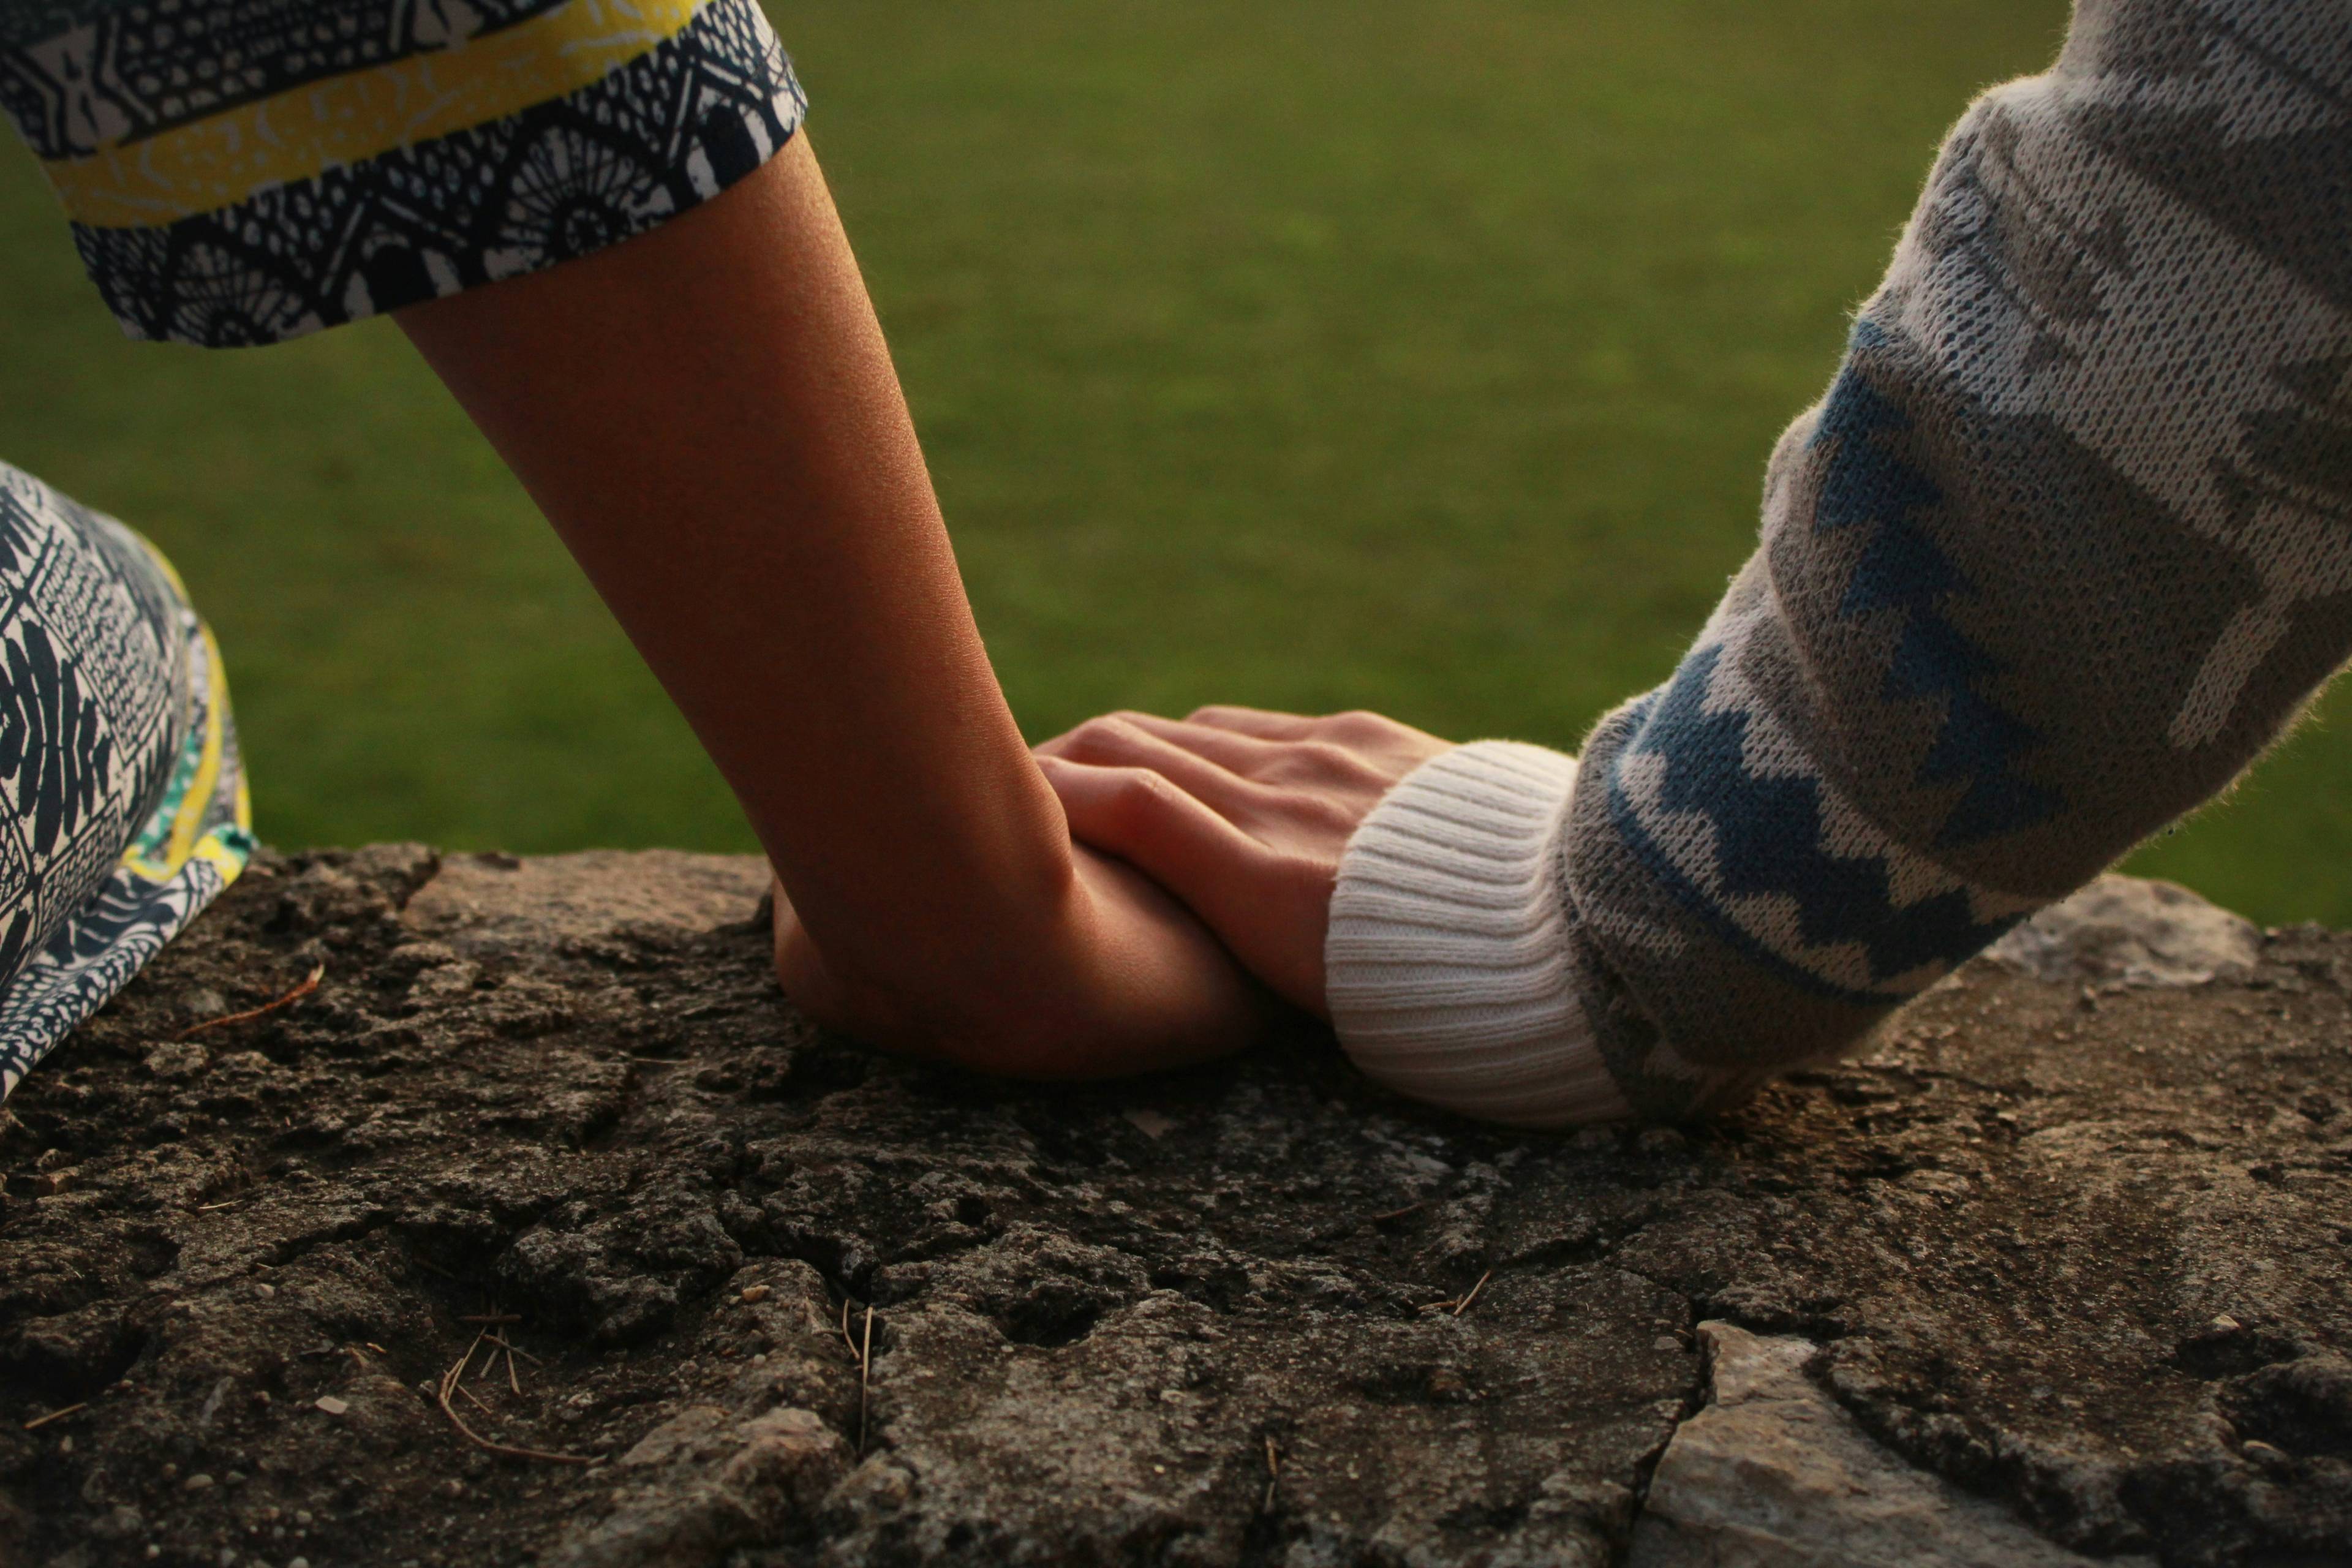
(2066, 544)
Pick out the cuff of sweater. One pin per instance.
(1447, 962)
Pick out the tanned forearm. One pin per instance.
(710, 417)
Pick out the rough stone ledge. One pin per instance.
(2055, 1272)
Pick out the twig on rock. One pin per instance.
(514, 1349)
(310, 983)
(865, 1376)
(1273, 1473)
(1400, 1214)
(1464, 1305)
(450, 1381)
(39, 1421)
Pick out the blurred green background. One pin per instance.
(1320, 353)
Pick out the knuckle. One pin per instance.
(1141, 794)
(1360, 725)
(1099, 737)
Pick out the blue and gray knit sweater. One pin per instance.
(2067, 544)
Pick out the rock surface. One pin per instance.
(2062, 1258)
(2123, 931)
(1773, 1472)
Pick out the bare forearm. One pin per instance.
(708, 416)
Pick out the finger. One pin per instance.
(1262, 723)
(1316, 767)
(1059, 746)
(1269, 910)
(1120, 741)
(1147, 820)
(1247, 755)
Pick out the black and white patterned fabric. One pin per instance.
(122, 801)
(242, 172)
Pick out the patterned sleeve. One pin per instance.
(2068, 542)
(243, 171)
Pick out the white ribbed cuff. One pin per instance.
(1447, 962)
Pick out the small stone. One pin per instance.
(177, 1059)
(303, 1517)
(264, 1291)
(756, 1293)
(1152, 1124)
(199, 1482)
(1666, 1342)
(232, 1479)
(2225, 1324)
(332, 1405)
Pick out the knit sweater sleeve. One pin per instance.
(2066, 545)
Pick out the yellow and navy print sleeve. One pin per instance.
(246, 171)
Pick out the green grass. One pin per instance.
(1314, 355)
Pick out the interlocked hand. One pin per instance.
(1240, 813)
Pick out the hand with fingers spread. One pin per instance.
(1242, 814)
